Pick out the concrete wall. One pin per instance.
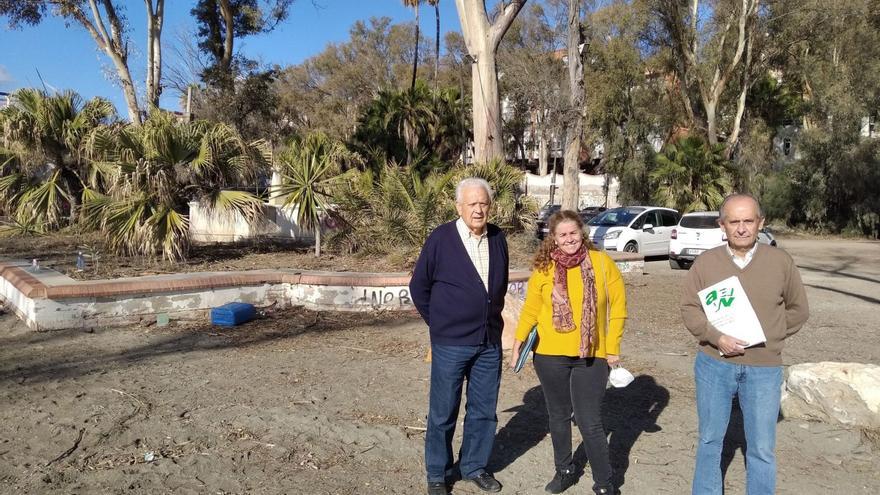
(591, 189)
(206, 225)
(47, 300)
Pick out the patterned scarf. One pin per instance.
(563, 317)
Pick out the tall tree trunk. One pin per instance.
(416, 54)
(571, 185)
(318, 240)
(543, 155)
(488, 141)
(112, 44)
(155, 17)
(482, 40)
(741, 101)
(437, 44)
(229, 39)
(711, 91)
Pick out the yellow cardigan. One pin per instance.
(538, 308)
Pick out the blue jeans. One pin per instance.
(758, 389)
(450, 366)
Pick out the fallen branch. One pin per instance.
(417, 428)
(70, 450)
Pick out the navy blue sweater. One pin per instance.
(449, 294)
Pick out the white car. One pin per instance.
(634, 229)
(698, 232)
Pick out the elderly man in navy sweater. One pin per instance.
(458, 287)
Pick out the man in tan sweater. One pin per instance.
(724, 367)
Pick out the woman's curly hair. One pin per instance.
(542, 258)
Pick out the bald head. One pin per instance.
(737, 198)
(741, 220)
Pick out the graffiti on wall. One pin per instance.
(517, 289)
(384, 298)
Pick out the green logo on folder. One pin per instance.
(725, 299)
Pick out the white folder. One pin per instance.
(728, 309)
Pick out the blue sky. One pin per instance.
(67, 57)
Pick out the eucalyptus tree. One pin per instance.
(574, 123)
(108, 26)
(482, 38)
(825, 61)
(534, 76)
(711, 46)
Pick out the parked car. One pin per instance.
(698, 232)
(634, 229)
(542, 229)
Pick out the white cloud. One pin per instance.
(5, 76)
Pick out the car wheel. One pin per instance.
(631, 247)
(674, 264)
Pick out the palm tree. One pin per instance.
(309, 168)
(691, 175)
(46, 133)
(156, 169)
(394, 209)
(449, 130)
(415, 5)
(511, 210)
(436, 5)
(411, 115)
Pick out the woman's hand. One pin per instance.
(514, 356)
(613, 360)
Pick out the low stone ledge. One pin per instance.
(159, 284)
(46, 299)
(18, 277)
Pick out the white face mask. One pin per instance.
(620, 377)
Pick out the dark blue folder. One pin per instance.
(527, 347)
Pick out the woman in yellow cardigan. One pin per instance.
(572, 288)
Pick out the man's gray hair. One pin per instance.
(738, 196)
(473, 182)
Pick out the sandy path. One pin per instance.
(333, 403)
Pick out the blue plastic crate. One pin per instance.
(232, 314)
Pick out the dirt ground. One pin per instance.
(333, 403)
(58, 251)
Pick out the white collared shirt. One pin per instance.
(477, 247)
(744, 261)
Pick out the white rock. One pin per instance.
(847, 393)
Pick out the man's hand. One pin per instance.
(612, 359)
(730, 346)
(514, 356)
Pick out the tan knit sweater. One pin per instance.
(773, 284)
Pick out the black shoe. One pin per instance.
(561, 481)
(437, 488)
(486, 482)
(606, 491)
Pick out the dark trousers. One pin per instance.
(451, 365)
(576, 385)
